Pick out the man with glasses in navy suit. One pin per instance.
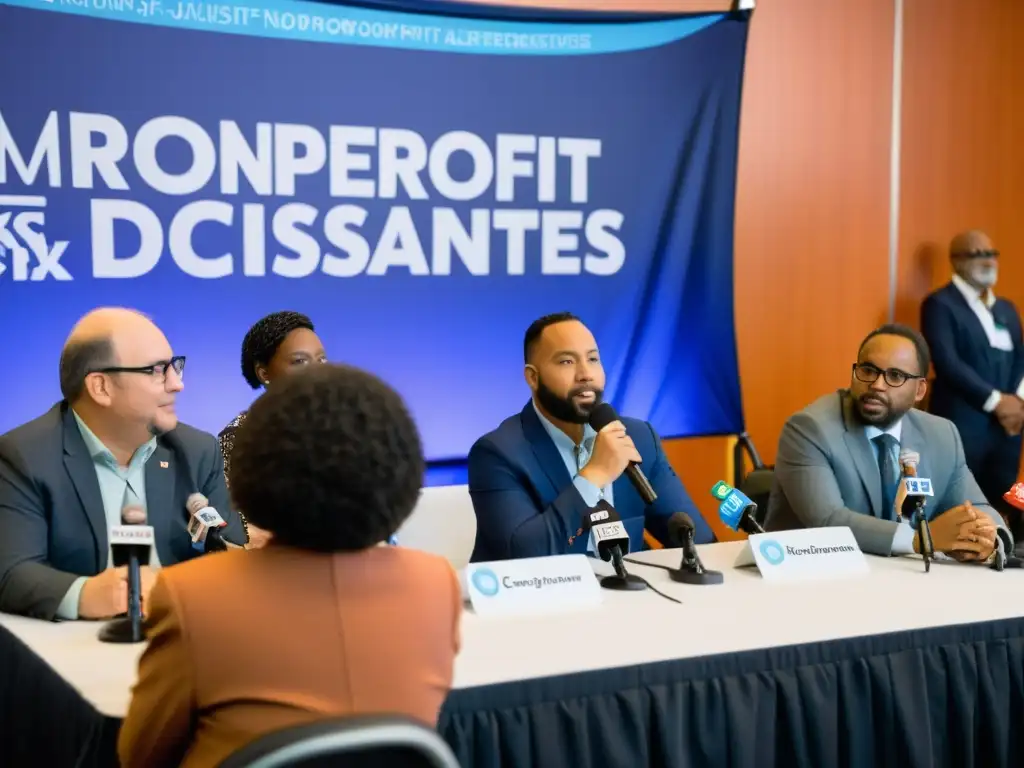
(978, 349)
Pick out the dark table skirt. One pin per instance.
(952, 696)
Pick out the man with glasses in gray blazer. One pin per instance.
(838, 460)
(112, 443)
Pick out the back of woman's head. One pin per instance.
(328, 460)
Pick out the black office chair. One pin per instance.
(756, 484)
(374, 741)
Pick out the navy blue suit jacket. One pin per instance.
(527, 506)
(967, 369)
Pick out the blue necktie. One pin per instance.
(888, 472)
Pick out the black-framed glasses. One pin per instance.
(894, 377)
(982, 254)
(160, 367)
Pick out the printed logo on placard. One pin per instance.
(486, 582)
(772, 552)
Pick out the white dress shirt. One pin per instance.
(998, 337)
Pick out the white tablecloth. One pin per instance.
(744, 613)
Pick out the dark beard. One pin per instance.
(564, 409)
(154, 430)
(881, 422)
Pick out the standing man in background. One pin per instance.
(978, 349)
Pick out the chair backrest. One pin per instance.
(758, 486)
(443, 523)
(375, 741)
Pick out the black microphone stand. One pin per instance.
(622, 580)
(691, 570)
(924, 537)
(128, 629)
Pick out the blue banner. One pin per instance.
(422, 186)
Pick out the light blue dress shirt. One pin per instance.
(575, 458)
(118, 486)
(903, 540)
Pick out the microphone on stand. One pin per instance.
(130, 545)
(609, 540)
(911, 498)
(691, 570)
(603, 415)
(737, 510)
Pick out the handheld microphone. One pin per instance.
(196, 528)
(130, 544)
(691, 570)
(609, 540)
(603, 415)
(205, 523)
(911, 498)
(737, 510)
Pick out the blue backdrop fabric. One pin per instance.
(423, 186)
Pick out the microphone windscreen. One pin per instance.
(196, 502)
(678, 526)
(133, 515)
(910, 457)
(602, 415)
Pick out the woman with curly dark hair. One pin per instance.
(320, 623)
(276, 346)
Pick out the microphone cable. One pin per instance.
(650, 586)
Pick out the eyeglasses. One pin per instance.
(986, 254)
(161, 368)
(894, 377)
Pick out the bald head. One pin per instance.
(974, 259)
(969, 242)
(104, 338)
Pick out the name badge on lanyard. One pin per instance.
(1000, 338)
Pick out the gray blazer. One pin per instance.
(52, 525)
(827, 475)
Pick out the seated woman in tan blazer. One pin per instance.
(322, 622)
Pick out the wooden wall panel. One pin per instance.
(962, 162)
(812, 209)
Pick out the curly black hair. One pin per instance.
(328, 460)
(263, 339)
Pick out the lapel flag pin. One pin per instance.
(164, 465)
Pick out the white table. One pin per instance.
(744, 613)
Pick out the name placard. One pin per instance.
(532, 586)
(132, 534)
(812, 554)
